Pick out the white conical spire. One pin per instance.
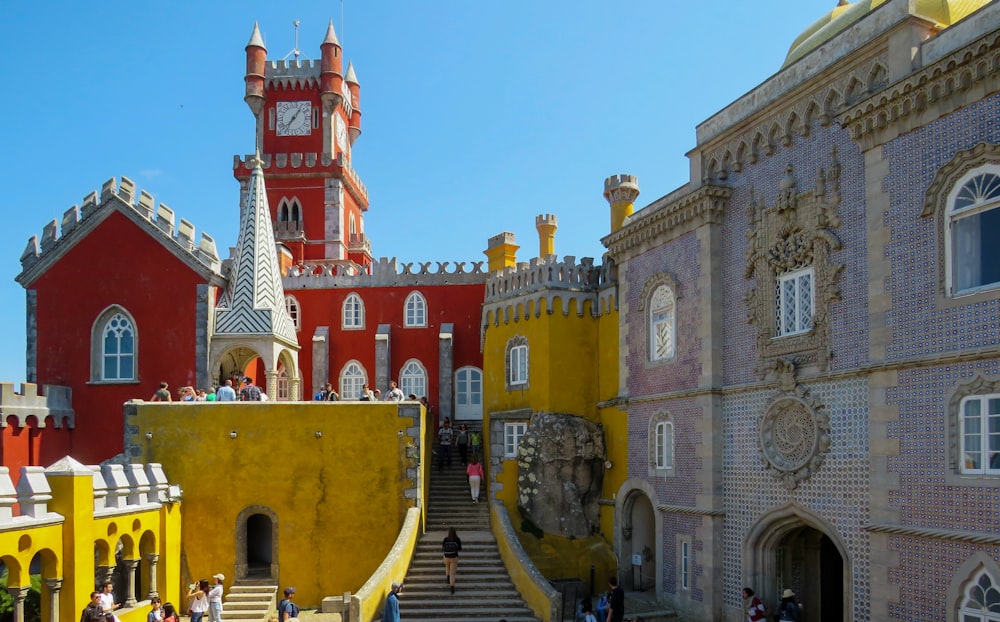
(254, 300)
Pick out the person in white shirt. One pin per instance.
(215, 599)
(395, 394)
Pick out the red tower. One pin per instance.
(307, 118)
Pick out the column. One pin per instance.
(54, 586)
(151, 560)
(272, 385)
(18, 594)
(294, 390)
(104, 574)
(130, 566)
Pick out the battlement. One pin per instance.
(500, 239)
(293, 73)
(306, 162)
(547, 273)
(546, 220)
(162, 218)
(385, 272)
(54, 401)
(621, 187)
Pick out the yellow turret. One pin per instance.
(621, 192)
(501, 251)
(546, 225)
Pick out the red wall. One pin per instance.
(117, 263)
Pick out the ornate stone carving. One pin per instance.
(797, 232)
(794, 433)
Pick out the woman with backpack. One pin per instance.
(450, 546)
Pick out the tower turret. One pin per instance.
(621, 192)
(546, 225)
(352, 84)
(332, 70)
(256, 62)
(501, 251)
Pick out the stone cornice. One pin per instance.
(973, 537)
(956, 80)
(657, 224)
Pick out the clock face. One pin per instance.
(294, 118)
(342, 141)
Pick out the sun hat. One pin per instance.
(788, 593)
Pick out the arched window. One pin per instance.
(973, 223)
(354, 312)
(292, 306)
(415, 311)
(413, 379)
(119, 349)
(981, 602)
(352, 379)
(662, 324)
(469, 393)
(114, 347)
(354, 225)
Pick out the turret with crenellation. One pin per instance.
(621, 192)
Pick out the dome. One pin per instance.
(943, 13)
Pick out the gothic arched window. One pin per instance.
(352, 379)
(415, 315)
(413, 379)
(114, 351)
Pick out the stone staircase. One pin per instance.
(483, 589)
(250, 600)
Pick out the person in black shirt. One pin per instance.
(616, 602)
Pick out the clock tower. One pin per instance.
(307, 119)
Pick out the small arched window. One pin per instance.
(413, 379)
(114, 347)
(292, 307)
(981, 602)
(662, 324)
(354, 312)
(973, 225)
(415, 311)
(352, 379)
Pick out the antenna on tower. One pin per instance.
(295, 50)
(343, 33)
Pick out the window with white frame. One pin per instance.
(118, 348)
(413, 379)
(282, 385)
(518, 365)
(664, 457)
(980, 434)
(662, 324)
(415, 311)
(352, 380)
(973, 222)
(512, 433)
(354, 312)
(468, 393)
(981, 601)
(292, 307)
(685, 565)
(795, 302)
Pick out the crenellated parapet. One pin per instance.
(54, 402)
(385, 272)
(297, 163)
(139, 205)
(517, 291)
(295, 73)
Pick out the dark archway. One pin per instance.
(259, 546)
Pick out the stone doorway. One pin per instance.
(794, 550)
(638, 549)
(257, 544)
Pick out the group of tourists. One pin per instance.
(248, 392)
(202, 598)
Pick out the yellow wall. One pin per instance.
(337, 498)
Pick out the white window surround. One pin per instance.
(979, 435)
(353, 377)
(795, 293)
(114, 348)
(353, 312)
(518, 365)
(980, 601)
(662, 324)
(664, 458)
(294, 311)
(512, 433)
(415, 311)
(413, 379)
(972, 220)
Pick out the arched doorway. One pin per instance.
(792, 548)
(257, 543)
(638, 557)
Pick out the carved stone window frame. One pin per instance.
(979, 386)
(937, 201)
(513, 342)
(653, 284)
(794, 233)
(654, 422)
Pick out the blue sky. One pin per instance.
(477, 115)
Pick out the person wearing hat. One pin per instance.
(391, 611)
(788, 610)
(288, 610)
(215, 599)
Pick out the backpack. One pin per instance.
(284, 603)
(320, 396)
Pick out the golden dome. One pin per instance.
(943, 13)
